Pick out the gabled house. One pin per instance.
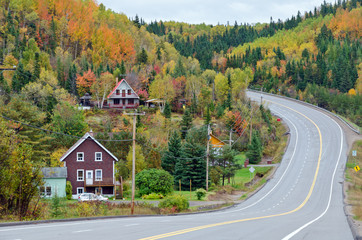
(54, 182)
(123, 96)
(90, 167)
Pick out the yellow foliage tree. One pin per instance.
(140, 159)
(352, 92)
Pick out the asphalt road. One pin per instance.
(302, 201)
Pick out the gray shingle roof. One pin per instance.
(54, 172)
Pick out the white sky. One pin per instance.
(212, 11)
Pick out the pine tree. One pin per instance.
(255, 149)
(20, 78)
(37, 66)
(142, 57)
(186, 123)
(170, 157)
(167, 110)
(191, 165)
(207, 118)
(4, 87)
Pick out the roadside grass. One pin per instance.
(244, 176)
(275, 149)
(354, 178)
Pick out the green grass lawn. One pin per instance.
(243, 176)
(240, 158)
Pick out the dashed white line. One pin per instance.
(130, 225)
(81, 231)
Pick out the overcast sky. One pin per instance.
(212, 11)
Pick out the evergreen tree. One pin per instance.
(167, 110)
(179, 69)
(20, 78)
(4, 87)
(227, 163)
(191, 165)
(142, 57)
(171, 156)
(37, 66)
(207, 118)
(71, 84)
(255, 149)
(186, 123)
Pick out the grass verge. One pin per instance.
(354, 178)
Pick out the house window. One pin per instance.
(98, 174)
(123, 93)
(42, 191)
(116, 101)
(80, 190)
(129, 91)
(48, 191)
(80, 175)
(98, 156)
(117, 92)
(80, 157)
(130, 101)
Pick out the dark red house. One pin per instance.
(123, 96)
(90, 167)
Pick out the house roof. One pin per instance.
(54, 172)
(80, 141)
(133, 95)
(215, 142)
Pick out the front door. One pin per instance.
(89, 177)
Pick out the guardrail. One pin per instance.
(311, 105)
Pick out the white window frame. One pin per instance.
(82, 159)
(80, 188)
(80, 170)
(95, 173)
(95, 157)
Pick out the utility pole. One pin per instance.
(134, 156)
(230, 136)
(207, 157)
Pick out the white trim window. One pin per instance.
(80, 190)
(98, 173)
(98, 156)
(80, 156)
(80, 174)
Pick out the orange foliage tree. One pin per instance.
(85, 82)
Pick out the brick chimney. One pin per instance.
(116, 80)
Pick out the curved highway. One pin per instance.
(303, 200)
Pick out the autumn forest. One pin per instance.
(52, 52)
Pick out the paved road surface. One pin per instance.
(302, 201)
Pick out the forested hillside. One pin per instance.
(52, 52)
(315, 57)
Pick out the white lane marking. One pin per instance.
(290, 235)
(281, 178)
(130, 225)
(81, 231)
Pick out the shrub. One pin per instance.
(153, 196)
(200, 193)
(68, 190)
(176, 201)
(56, 205)
(154, 181)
